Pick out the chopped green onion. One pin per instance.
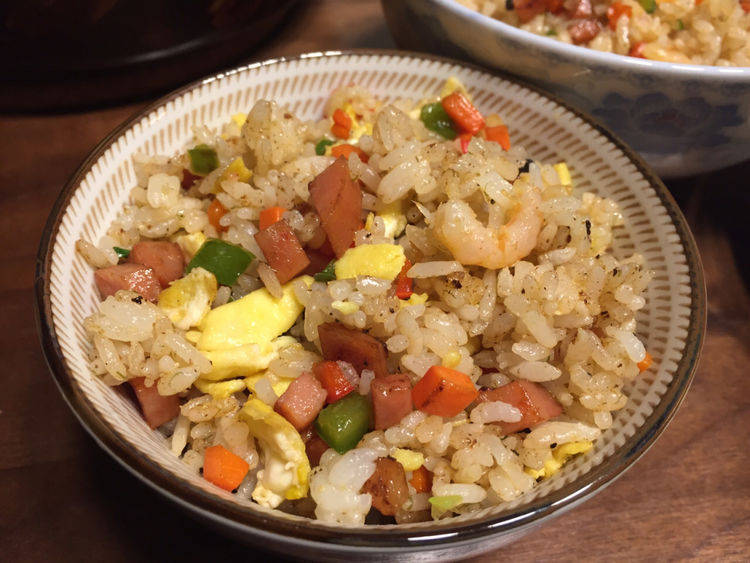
(224, 260)
(327, 274)
(436, 119)
(551, 32)
(320, 148)
(121, 252)
(680, 26)
(342, 424)
(648, 5)
(203, 159)
(443, 504)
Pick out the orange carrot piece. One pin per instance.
(342, 124)
(463, 113)
(346, 150)
(404, 284)
(224, 469)
(215, 212)
(745, 5)
(498, 134)
(270, 216)
(463, 141)
(616, 11)
(637, 50)
(646, 362)
(421, 480)
(443, 392)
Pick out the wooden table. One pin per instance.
(62, 498)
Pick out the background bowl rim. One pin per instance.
(373, 538)
(724, 74)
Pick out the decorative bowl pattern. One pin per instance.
(682, 119)
(672, 324)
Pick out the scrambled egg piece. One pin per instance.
(358, 128)
(239, 118)
(220, 389)
(286, 468)
(383, 261)
(564, 173)
(453, 84)
(278, 384)
(410, 459)
(190, 243)
(237, 169)
(242, 337)
(452, 359)
(393, 218)
(345, 307)
(560, 455)
(414, 299)
(187, 300)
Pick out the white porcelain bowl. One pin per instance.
(683, 119)
(671, 324)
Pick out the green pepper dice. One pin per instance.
(320, 147)
(648, 5)
(436, 119)
(203, 159)
(121, 252)
(343, 423)
(326, 274)
(224, 260)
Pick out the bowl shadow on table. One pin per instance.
(151, 528)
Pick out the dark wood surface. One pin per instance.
(62, 498)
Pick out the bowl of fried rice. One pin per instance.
(670, 77)
(370, 304)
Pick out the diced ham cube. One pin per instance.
(315, 447)
(338, 200)
(584, 31)
(534, 401)
(527, 10)
(163, 257)
(582, 9)
(391, 400)
(302, 401)
(387, 486)
(359, 349)
(318, 262)
(133, 277)
(282, 250)
(157, 409)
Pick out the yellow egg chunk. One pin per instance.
(190, 243)
(563, 173)
(237, 169)
(414, 299)
(410, 459)
(256, 318)
(239, 118)
(220, 389)
(243, 360)
(560, 455)
(187, 300)
(393, 217)
(383, 261)
(453, 84)
(286, 471)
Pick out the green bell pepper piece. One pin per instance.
(327, 274)
(224, 260)
(203, 159)
(648, 5)
(121, 252)
(436, 119)
(343, 423)
(320, 148)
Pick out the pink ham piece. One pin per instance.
(163, 257)
(338, 200)
(133, 277)
(584, 31)
(534, 401)
(359, 349)
(282, 250)
(302, 401)
(391, 400)
(157, 409)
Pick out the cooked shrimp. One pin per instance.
(456, 225)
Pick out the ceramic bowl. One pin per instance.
(683, 119)
(671, 325)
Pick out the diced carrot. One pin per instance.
(616, 11)
(745, 5)
(215, 212)
(646, 362)
(637, 50)
(463, 113)
(270, 216)
(404, 284)
(498, 134)
(421, 480)
(224, 469)
(463, 141)
(443, 392)
(346, 150)
(698, 2)
(342, 124)
(333, 380)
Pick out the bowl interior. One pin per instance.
(550, 132)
